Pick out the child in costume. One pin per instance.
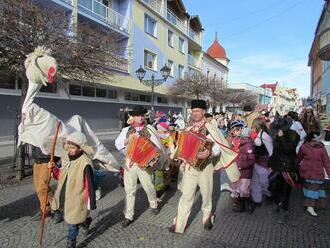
(313, 161)
(263, 149)
(76, 186)
(161, 180)
(243, 145)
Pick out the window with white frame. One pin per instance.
(170, 64)
(180, 71)
(170, 38)
(150, 25)
(150, 60)
(181, 45)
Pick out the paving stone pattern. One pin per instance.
(19, 207)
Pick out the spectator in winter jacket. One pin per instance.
(282, 162)
(310, 122)
(312, 160)
(263, 145)
(76, 186)
(241, 189)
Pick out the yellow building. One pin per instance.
(151, 33)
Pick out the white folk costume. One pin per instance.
(132, 171)
(195, 176)
(38, 125)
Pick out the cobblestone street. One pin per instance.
(18, 208)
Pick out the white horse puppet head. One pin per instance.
(40, 66)
(40, 69)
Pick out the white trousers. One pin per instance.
(130, 181)
(260, 183)
(192, 178)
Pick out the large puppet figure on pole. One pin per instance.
(44, 130)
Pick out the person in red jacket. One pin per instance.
(312, 161)
(243, 144)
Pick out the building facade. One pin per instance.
(151, 33)
(283, 99)
(215, 66)
(215, 63)
(263, 95)
(319, 57)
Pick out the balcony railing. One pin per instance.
(67, 1)
(324, 50)
(154, 4)
(172, 18)
(102, 12)
(194, 36)
(193, 61)
(176, 21)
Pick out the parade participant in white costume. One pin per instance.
(201, 174)
(132, 170)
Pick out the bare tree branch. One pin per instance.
(93, 53)
(192, 85)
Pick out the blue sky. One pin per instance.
(265, 40)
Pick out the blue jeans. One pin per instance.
(99, 175)
(73, 231)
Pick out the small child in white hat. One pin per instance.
(76, 186)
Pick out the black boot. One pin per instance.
(156, 210)
(238, 204)
(85, 226)
(249, 205)
(126, 223)
(172, 229)
(71, 243)
(58, 217)
(209, 222)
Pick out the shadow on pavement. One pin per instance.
(109, 183)
(113, 216)
(27, 206)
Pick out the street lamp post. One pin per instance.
(152, 83)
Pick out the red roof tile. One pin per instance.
(216, 50)
(270, 86)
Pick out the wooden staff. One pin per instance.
(58, 125)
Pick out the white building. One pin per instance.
(284, 99)
(215, 62)
(263, 95)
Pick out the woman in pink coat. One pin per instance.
(312, 161)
